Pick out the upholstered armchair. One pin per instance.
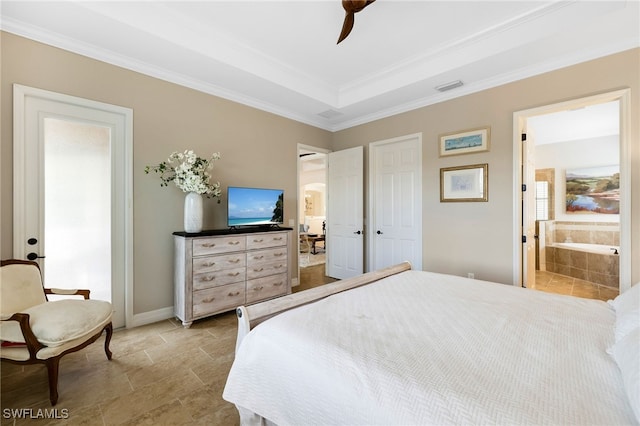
(34, 330)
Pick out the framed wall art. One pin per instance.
(464, 183)
(594, 190)
(466, 142)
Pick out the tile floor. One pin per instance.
(555, 283)
(164, 374)
(160, 374)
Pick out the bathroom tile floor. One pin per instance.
(555, 283)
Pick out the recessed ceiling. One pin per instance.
(282, 57)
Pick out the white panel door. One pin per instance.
(396, 200)
(72, 193)
(345, 213)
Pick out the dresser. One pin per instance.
(218, 270)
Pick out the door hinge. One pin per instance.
(524, 187)
(524, 137)
(524, 238)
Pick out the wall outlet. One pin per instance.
(471, 275)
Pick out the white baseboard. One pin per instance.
(152, 316)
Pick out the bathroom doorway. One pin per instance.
(554, 150)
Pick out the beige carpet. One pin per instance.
(311, 259)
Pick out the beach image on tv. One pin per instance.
(255, 206)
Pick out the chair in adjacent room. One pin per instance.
(34, 330)
(320, 239)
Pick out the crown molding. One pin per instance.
(490, 83)
(75, 46)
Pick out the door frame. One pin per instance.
(372, 195)
(122, 182)
(519, 121)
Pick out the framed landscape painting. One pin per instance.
(466, 142)
(594, 190)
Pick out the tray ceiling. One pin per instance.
(282, 56)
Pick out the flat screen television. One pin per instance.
(254, 206)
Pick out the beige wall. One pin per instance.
(258, 148)
(478, 237)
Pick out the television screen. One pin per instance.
(254, 206)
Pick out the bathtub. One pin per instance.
(590, 262)
(589, 248)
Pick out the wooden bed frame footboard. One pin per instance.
(250, 316)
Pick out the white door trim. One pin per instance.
(372, 194)
(519, 117)
(123, 179)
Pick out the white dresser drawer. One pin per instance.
(266, 269)
(265, 288)
(218, 278)
(218, 263)
(218, 299)
(215, 245)
(271, 239)
(260, 257)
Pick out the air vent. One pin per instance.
(449, 86)
(330, 113)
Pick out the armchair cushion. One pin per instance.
(59, 322)
(21, 289)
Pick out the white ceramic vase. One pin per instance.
(193, 212)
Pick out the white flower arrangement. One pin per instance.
(189, 172)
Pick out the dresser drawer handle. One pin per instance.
(278, 254)
(278, 266)
(258, 288)
(233, 274)
(278, 284)
(234, 243)
(208, 278)
(209, 264)
(209, 300)
(277, 238)
(208, 245)
(258, 241)
(234, 261)
(258, 257)
(258, 270)
(231, 294)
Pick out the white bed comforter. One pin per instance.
(422, 348)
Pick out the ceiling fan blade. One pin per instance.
(347, 26)
(351, 7)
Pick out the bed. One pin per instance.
(406, 347)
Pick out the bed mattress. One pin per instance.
(422, 348)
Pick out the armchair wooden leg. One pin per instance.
(52, 370)
(107, 340)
